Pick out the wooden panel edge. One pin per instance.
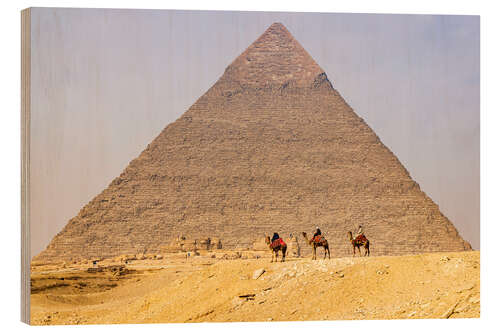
(25, 162)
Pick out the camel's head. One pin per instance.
(304, 234)
(349, 233)
(268, 240)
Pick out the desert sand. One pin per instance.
(230, 286)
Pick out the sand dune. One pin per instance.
(206, 289)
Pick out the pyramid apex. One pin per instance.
(280, 30)
(277, 25)
(275, 58)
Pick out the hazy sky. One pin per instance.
(106, 82)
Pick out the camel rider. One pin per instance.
(275, 237)
(360, 231)
(317, 233)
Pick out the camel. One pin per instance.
(359, 241)
(322, 243)
(276, 248)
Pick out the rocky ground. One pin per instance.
(220, 287)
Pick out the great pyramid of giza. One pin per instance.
(271, 146)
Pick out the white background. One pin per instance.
(490, 166)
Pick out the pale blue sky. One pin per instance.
(106, 82)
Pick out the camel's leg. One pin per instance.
(359, 250)
(328, 248)
(284, 254)
(314, 252)
(272, 255)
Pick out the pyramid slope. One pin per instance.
(261, 151)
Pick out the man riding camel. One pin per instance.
(360, 231)
(277, 240)
(317, 233)
(275, 237)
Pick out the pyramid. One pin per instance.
(271, 146)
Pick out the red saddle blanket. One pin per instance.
(318, 239)
(277, 242)
(360, 239)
